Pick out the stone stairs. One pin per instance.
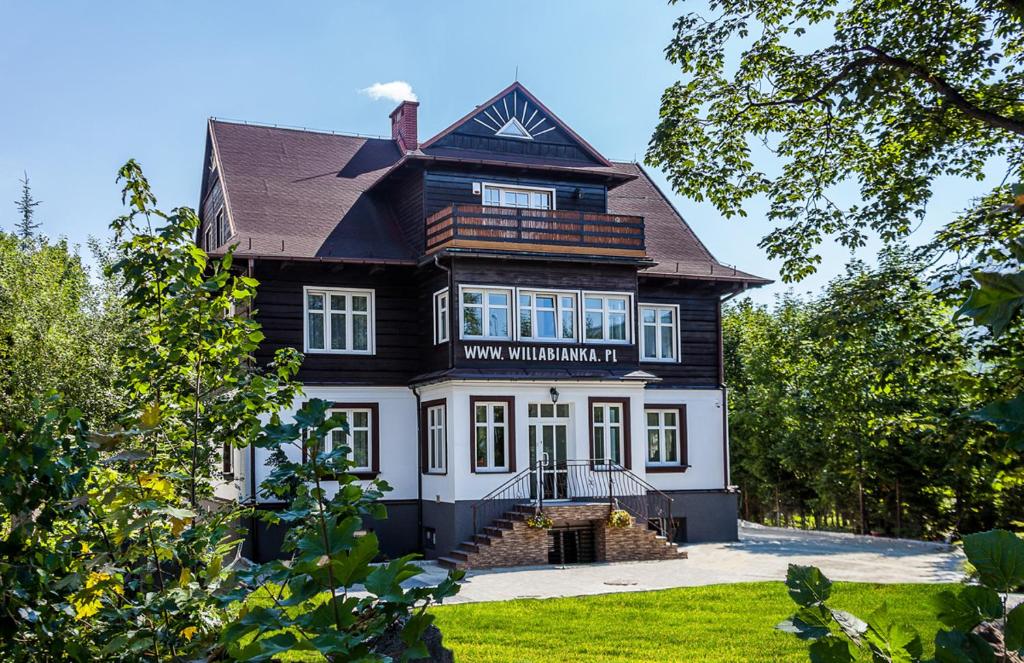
(509, 541)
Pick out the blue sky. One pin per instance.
(87, 85)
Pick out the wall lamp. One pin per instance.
(554, 394)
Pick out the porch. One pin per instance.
(559, 513)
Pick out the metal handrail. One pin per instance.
(576, 479)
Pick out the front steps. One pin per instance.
(509, 541)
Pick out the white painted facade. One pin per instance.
(399, 448)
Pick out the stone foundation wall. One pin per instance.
(522, 545)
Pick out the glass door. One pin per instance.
(549, 435)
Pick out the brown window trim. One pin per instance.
(626, 437)
(681, 433)
(374, 409)
(510, 402)
(425, 433)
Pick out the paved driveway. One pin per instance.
(762, 553)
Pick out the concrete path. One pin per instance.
(762, 553)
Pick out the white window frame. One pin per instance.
(437, 439)
(326, 292)
(559, 309)
(661, 428)
(551, 191)
(347, 412)
(605, 296)
(658, 325)
(606, 426)
(485, 318)
(208, 238)
(491, 426)
(442, 316)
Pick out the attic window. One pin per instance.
(514, 129)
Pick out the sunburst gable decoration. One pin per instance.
(520, 121)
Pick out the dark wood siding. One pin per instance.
(279, 308)
(212, 203)
(699, 333)
(435, 357)
(406, 199)
(444, 188)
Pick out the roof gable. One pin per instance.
(514, 122)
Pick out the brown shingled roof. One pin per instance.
(295, 193)
(306, 195)
(671, 243)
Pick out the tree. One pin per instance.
(27, 226)
(60, 330)
(853, 407)
(899, 95)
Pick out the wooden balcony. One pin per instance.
(535, 231)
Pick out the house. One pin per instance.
(504, 317)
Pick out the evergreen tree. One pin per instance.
(27, 226)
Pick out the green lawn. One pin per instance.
(719, 623)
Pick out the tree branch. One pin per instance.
(940, 85)
(937, 83)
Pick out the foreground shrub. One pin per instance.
(979, 628)
(315, 605)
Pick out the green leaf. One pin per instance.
(809, 623)
(807, 585)
(956, 647)
(995, 301)
(998, 557)
(964, 610)
(1014, 631)
(897, 642)
(830, 650)
(1008, 416)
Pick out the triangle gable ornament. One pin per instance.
(514, 129)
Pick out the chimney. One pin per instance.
(403, 126)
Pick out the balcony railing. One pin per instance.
(533, 230)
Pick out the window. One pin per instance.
(658, 333)
(549, 316)
(515, 196)
(441, 316)
(339, 321)
(208, 241)
(606, 317)
(437, 448)
(362, 438)
(609, 430)
(227, 458)
(222, 227)
(485, 313)
(493, 443)
(666, 437)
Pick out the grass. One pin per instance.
(716, 623)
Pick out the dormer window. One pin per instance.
(503, 195)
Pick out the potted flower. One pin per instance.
(619, 518)
(540, 520)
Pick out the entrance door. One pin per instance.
(549, 435)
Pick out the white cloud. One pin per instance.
(395, 91)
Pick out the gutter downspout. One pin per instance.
(726, 478)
